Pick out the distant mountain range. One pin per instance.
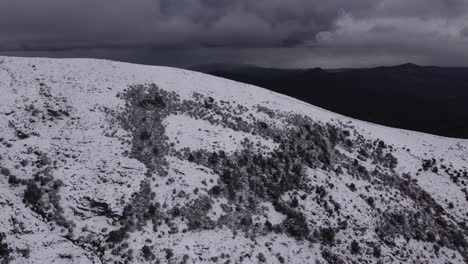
(423, 98)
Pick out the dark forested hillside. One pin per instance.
(426, 99)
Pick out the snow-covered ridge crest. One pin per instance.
(107, 162)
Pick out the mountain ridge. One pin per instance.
(106, 162)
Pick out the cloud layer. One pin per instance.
(333, 32)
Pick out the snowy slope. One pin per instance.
(107, 162)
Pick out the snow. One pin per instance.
(94, 165)
(196, 134)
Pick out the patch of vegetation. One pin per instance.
(147, 253)
(4, 249)
(327, 235)
(249, 176)
(355, 248)
(117, 236)
(32, 194)
(169, 253)
(331, 257)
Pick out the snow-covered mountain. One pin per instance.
(107, 162)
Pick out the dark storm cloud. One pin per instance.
(464, 32)
(292, 33)
(31, 23)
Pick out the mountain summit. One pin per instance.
(407, 66)
(107, 162)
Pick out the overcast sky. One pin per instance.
(275, 33)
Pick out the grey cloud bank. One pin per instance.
(293, 33)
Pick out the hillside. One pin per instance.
(106, 162)
(421, 98)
